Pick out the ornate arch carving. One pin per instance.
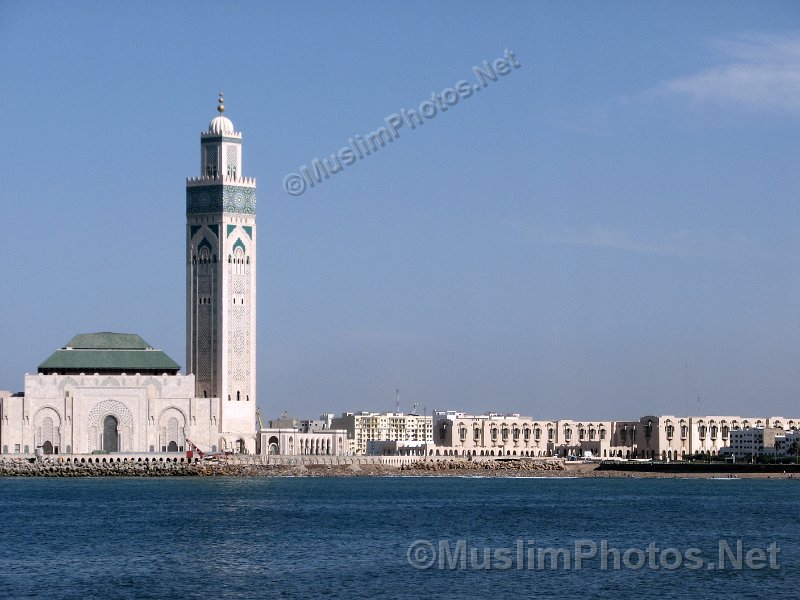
(67, 381)
(47, 411)
(172, 411)
(111, 407)
(125, 424)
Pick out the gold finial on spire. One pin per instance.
(221, 107)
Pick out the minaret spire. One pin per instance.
(221, 281)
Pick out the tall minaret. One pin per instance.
(221, 279)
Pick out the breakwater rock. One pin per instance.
(175, 468)
(236, 468)
(24, 468)
(496, 467)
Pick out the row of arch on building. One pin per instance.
(564, 452)
(515, 432)
(305, 446)
(104, 460)
(473, 452)
(710, 428)
(714, 428)
(110, 434)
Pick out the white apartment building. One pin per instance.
(755, 442)
(365, 427)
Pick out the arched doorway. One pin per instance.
(240, 447)
(47, 447)
(173, 446)
(273, 445)
(110, 441)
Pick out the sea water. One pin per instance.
(396, 537)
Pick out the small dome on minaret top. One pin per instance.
(221, 125)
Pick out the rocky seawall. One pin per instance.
(25, 468)
(504, 467)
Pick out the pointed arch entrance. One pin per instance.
(110, 436)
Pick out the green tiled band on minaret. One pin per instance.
(216, 198)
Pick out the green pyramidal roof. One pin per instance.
(107, 341)
(109, 353)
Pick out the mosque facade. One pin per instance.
(114, 392)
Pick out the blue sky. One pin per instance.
(605, 231)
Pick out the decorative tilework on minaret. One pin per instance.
(221, 277)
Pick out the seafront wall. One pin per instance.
(688, 468)
(245, 466)
(482, 466)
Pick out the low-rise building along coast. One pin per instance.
(666, 437)
(366, 427)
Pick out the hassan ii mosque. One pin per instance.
(114, 392)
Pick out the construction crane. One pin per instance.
(258, 416)
(194, 448)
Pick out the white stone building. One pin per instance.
(758, 442)
(665, 437)
(290, 436)
(365, 427)
(114, 393)
(111, 392)
(297, 442)
(514, 435)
